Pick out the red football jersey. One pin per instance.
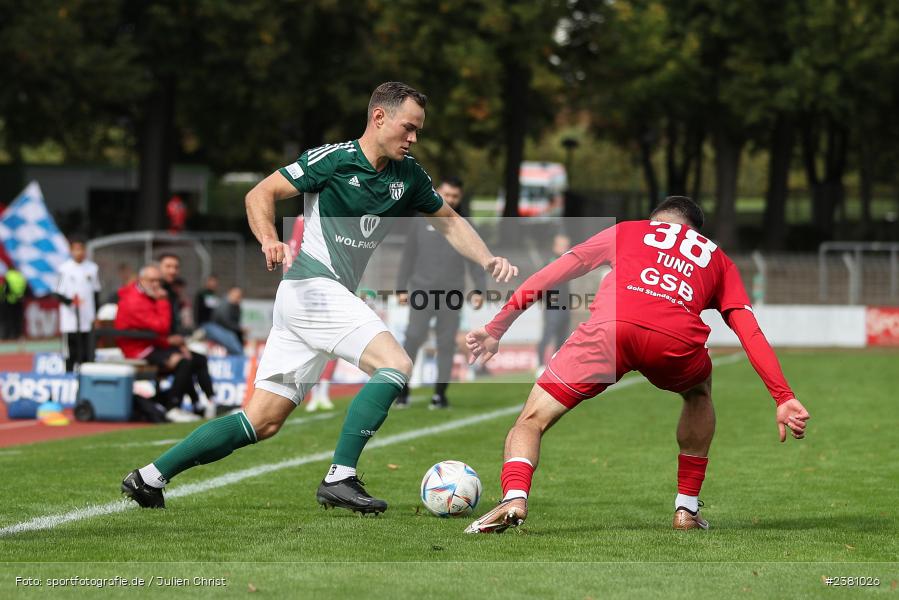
(663, 275)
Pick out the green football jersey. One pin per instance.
(349, 208)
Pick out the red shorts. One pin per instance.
(599, 354)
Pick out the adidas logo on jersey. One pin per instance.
(354, 181)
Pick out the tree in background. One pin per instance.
(233, 83)
(272, 81)
(876, 72)
(847, 98)
(638, 73)
(661, 75)
(487, 66)
(67, 73)
(247, 85)
(222, 82)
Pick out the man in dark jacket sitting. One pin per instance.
(227, 314)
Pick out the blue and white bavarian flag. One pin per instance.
(32, 239)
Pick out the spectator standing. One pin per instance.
(77, 290)
(13, 300)
(556, 322)
(431, 265)
(176, 211)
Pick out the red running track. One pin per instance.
(14, 432)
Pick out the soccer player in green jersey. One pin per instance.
(351, 190)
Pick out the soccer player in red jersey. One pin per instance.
(645, 318)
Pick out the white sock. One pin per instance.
(339, 473)
(323, 388)
(691, 503)
(152, 477)
(515, 494)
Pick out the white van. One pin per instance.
(543, 186)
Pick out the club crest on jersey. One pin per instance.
(368, 224)
(396, 190)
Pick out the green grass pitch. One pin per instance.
(783, 516)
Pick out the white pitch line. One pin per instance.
(51, 521)
(728, 359)
(134, 444)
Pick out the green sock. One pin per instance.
(367, 411)
(208, 443)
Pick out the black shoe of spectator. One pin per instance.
(439, 402)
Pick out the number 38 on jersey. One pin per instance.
(694, 251)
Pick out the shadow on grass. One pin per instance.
(845, 523)
(853, 523)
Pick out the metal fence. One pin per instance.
(772, 278)
(202, 254)
(844, 273)
(865, 263)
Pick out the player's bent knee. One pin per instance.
(541, 411)
(267, 412)
(267, 429)
(403, 364)
(535, 420)
(266, 425)
(698, 393)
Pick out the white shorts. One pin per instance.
(314, 321)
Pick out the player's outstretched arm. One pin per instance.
(485, 341)
(260, 203)
(791, 414)
(466, 241)
(566, 267)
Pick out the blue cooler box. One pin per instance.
(108, 389)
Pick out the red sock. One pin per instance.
(516, 475)
(690, 473)
(328, 371)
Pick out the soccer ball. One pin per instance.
(450, 489)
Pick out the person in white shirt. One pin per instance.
(76, 290)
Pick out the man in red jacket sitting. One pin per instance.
(144, 305)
